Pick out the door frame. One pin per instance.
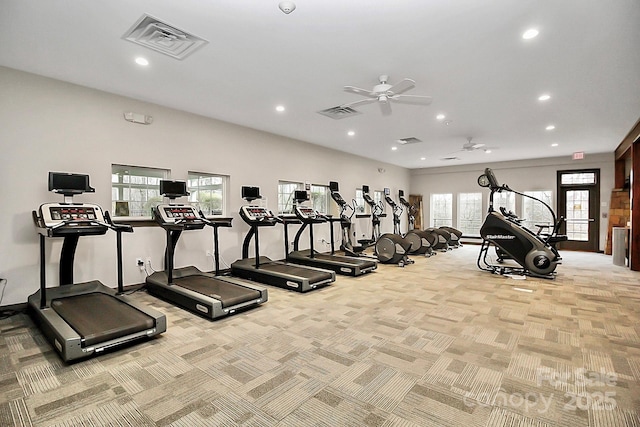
(593, 244)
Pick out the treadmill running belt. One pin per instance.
(99, 317)
(227, 293)
(313, 275)
(343, 260)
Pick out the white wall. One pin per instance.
(524, 175)
(49, 125)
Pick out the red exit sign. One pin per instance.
(578, 155)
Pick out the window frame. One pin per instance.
(316, 196)
(432, 205)
(122, 171)
(470, 231)
(195, 193)
(282, 204)
(537, 206)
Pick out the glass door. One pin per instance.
(579, 204)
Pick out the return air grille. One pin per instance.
(154, 34)
(339, 112)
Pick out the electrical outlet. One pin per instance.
(140, 263)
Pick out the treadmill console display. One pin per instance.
(54, 214)
(306, 212)
(173, 213)
(255, 213)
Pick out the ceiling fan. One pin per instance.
(384, 92)
(470, 146)
(467, 147)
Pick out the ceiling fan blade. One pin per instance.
(402, 86)
(359, 102)
(359, 91)
(412, 99)
(385, 107)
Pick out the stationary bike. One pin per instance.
(534, 254)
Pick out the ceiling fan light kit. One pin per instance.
(384, 93)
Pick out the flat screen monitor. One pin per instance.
(301, 195)
(251, 193)
(69, 183)
(173, 188)
(387, 192)
(400, 193)
(333, 186)
(365, 189)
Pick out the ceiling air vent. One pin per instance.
(339, 112)
(152, 33)
(410, 140)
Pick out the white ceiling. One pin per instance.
(467, 54)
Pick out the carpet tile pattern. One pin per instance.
(437, 343)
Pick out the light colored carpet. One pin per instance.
(438, 343)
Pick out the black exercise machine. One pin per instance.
(207, 294)
(261, 268)
(390, 248)
(421, 241)
(346, 214)
(534, 254)
(352, 266)
(83, 319)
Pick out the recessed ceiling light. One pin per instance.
(394, 148)
(440, 116)
(530, 33)
(280, 108)
(555, 144)
(142, 61)
(351, 133)
(544, 97)
(423, 158)
(550, 127)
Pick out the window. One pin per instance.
(441, 210)
(286, 191)
(470, 213)
(320, 195)
(135, 190)
(506, 200)
(360, 203)
(534, 212)
(208, 192)
(578, 178)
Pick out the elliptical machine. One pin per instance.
(390, 248)
(421, 241)
(346, 213)
(534, 254)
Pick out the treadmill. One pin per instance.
(207, 294)
(84, 319)
(350, 266)
(262, 269)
